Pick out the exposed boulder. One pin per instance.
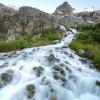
(31, 90)
(5, 78)
(38, 70)
(53, 97)
(4, 65)
(51, 58)
(98, 83)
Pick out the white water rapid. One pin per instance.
(52, 72)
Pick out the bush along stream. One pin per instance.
(47, 36)
(87, 44)
(52, 72)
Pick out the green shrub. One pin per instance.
(89, 41)
(52, 34)
(47, 37)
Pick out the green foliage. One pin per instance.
(90, 35)
(82, 27)
(89, 41)
(47, 37)
(12, 45)
(51, 34)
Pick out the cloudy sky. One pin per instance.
(50, 5)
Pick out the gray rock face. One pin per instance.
(64, 9)
(26, 20)
(30, 21)
(93, 16)
(65, 15)
(5, 10)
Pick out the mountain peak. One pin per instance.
(1, 4)
(65, 3)
(64, 9)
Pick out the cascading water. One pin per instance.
(52, 72)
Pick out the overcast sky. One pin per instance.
(50, 5)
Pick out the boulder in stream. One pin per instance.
(38, 70)
(98, 83)
(31, 90)
(5, 78)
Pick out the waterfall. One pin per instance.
(52, 72)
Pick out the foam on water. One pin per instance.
(55, 70)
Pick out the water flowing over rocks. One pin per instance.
(52, 72)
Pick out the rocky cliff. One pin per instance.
(93, 16)
(26, 20)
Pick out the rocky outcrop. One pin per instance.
(90, 17)
(6, 10)
(30, 21)
(26, 20)
(64, 9)
(65, 15)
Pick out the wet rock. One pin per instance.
(73, 78)
(68, 69)
(10, 71)
(56, 68)
(4, 65)
(51, 57)
(58, 76)
(63, 80)
(24, 54)
(13, 54)
(98, 83)
(59, 69)
(5, 78)
(45, 81)
(83, 60)
(31, 90)
(52, 90)
(56, 41)
(91, 66)
(38, 70)
(53, 97)
(65, 52)
(79, 69)
(71, 56)
(61, 64)
(64, 47)
(66, 62)
(1, 84)
(81, 52)
(21, 67)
